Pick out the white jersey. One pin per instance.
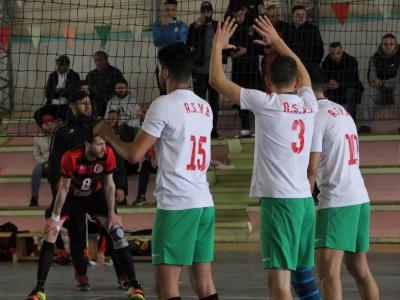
(284, 127)
(339, 178)
(127, 107)
(182, 122)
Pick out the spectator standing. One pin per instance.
(200, 36)
(102, 82)
(383, 78)
(270, 54)
(245, 62)
(168, 30)
(60, 85)
(304, 38)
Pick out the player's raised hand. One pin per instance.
(103, 129)
(224, 33)
(266, 30)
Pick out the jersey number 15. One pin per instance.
(197, 152)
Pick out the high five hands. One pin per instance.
(223, 34)
(266, 31)
(262, 26)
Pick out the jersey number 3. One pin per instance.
(197, 152)
(298, 125)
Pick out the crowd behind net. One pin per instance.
(34, 33)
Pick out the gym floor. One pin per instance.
(238, 275)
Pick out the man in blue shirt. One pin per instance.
(168, 30)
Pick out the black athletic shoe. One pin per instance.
(140, 200)
(364, 129)
(34, 202)
(83, 284)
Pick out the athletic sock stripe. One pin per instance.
(314, 293)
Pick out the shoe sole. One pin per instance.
(136, 297)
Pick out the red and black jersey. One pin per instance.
(86, 176)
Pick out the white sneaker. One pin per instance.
(243, 133)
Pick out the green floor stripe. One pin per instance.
(7, 149)
(379, 138)
(18, 120)
(380, 170)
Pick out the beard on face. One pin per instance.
(121, 94)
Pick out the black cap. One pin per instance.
(77, 96)
(63, 60)
(206, 6)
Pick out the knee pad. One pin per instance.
(118, 237)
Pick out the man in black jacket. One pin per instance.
(78, 125)
(60, 85)
(341, 72)
(272, 12)
(102, 81)
(245, 62)
(304, 38)
(200, 36)
(383, 79)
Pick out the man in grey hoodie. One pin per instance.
(383, 78)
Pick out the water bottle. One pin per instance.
(118, 237)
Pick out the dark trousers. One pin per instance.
(200, 87)
(144, 176)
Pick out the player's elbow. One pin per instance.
(214, 81)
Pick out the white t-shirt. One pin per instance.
(127, 108)
(284, 127)
(182, 122)
(339, 178)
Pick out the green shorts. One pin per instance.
(287, 233)
(343, 228)
(183, 237)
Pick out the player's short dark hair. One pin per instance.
(88, 135)
(335, 45)
(283, 71)
(389, 36)
(121, 80)
(83, 82)
(173, 2)
(317, 76)
(178, 59)
(298, 7)
(101, 53)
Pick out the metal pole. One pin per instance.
(6, 76)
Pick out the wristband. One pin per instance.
(55, 218)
